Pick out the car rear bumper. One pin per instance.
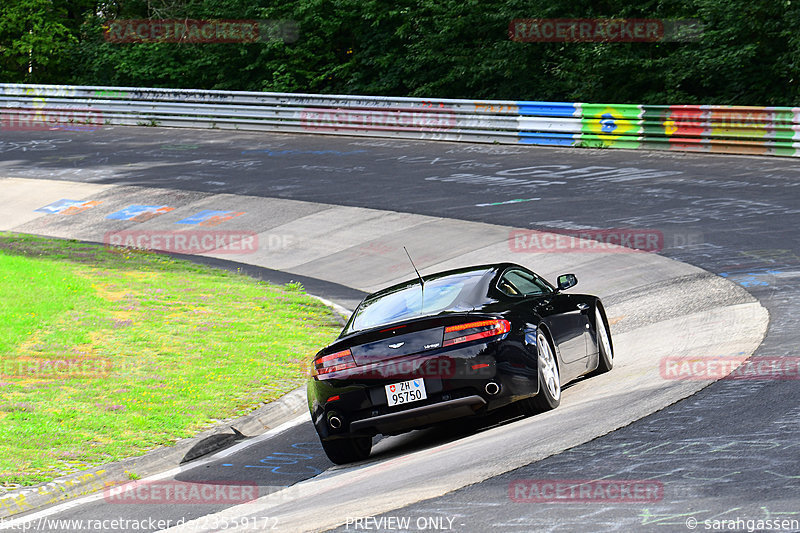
(455, 384)
(419, 416)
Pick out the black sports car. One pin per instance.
(453, 344)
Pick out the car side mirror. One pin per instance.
(565, 281)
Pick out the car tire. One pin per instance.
(348, 449)
(604, 345)
(549, 396)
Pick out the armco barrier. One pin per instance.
(702, 128)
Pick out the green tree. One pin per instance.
(34, 38)
(749, 52)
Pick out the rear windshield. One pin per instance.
(407, 301)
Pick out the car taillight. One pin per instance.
(475, 330)
(333, 363)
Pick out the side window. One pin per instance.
(520, 283)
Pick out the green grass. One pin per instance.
(107, 353)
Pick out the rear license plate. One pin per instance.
(409, 391)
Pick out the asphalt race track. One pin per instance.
(728, 452)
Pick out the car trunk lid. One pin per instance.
(390, 346)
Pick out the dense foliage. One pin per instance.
(749, 52)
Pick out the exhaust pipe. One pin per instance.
(492, 388)
(335, 422)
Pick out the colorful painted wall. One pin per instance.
(698, 128)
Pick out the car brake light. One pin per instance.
(333, 363)
(475, 330)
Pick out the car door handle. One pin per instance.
(583, 307)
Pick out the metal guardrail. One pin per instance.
(701, 128)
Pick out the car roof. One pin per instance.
(476, 296)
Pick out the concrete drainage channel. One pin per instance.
(658, 308)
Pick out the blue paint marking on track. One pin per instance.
(289, 463)
(133, 211)
(752, 279)
(59, 206)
